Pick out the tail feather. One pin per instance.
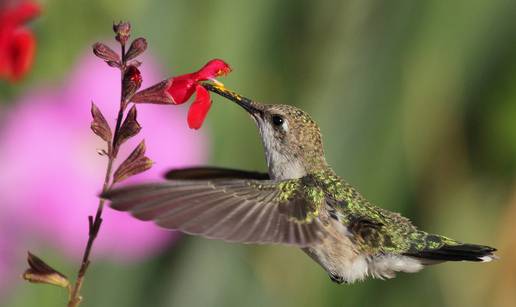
(460, 252)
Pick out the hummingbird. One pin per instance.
(300, 202)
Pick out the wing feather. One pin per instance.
(235, 210)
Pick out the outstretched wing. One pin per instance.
(236, 210)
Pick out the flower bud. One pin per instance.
(104, 52)
(122, 31)
(138, 46)
(131, 83)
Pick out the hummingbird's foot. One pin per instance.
(337, 279)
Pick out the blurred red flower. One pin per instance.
(17, 43)
(178, 90)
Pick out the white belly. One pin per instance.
(339, 257)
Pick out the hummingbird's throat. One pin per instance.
(282, 164)
(281, 168)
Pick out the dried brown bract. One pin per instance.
(129, 128)
(156, 94)
(40, 272)
(136, 163)
(99, 124)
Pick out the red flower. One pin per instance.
(17, 43)
(178, 90)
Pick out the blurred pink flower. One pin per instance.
(5, 245)
(51, 172)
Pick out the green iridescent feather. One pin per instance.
(384, 231)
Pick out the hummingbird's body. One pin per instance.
(300, 201)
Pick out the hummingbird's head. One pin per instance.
(292, 140)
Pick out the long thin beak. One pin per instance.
(250, 106)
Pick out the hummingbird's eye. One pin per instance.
(277, 120)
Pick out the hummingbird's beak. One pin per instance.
(250, 106)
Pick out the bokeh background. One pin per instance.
(416, 101)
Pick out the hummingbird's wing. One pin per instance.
(211, 172)
(236, 210)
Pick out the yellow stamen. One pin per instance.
(218, 83)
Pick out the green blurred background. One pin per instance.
(417, 104)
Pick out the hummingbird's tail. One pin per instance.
(459, 252)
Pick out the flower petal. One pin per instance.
(182, 88)
(20, 53)
(199, 108)
(17, 44)
(212, 69)
(20, 14)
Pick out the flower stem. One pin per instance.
(94, 223)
